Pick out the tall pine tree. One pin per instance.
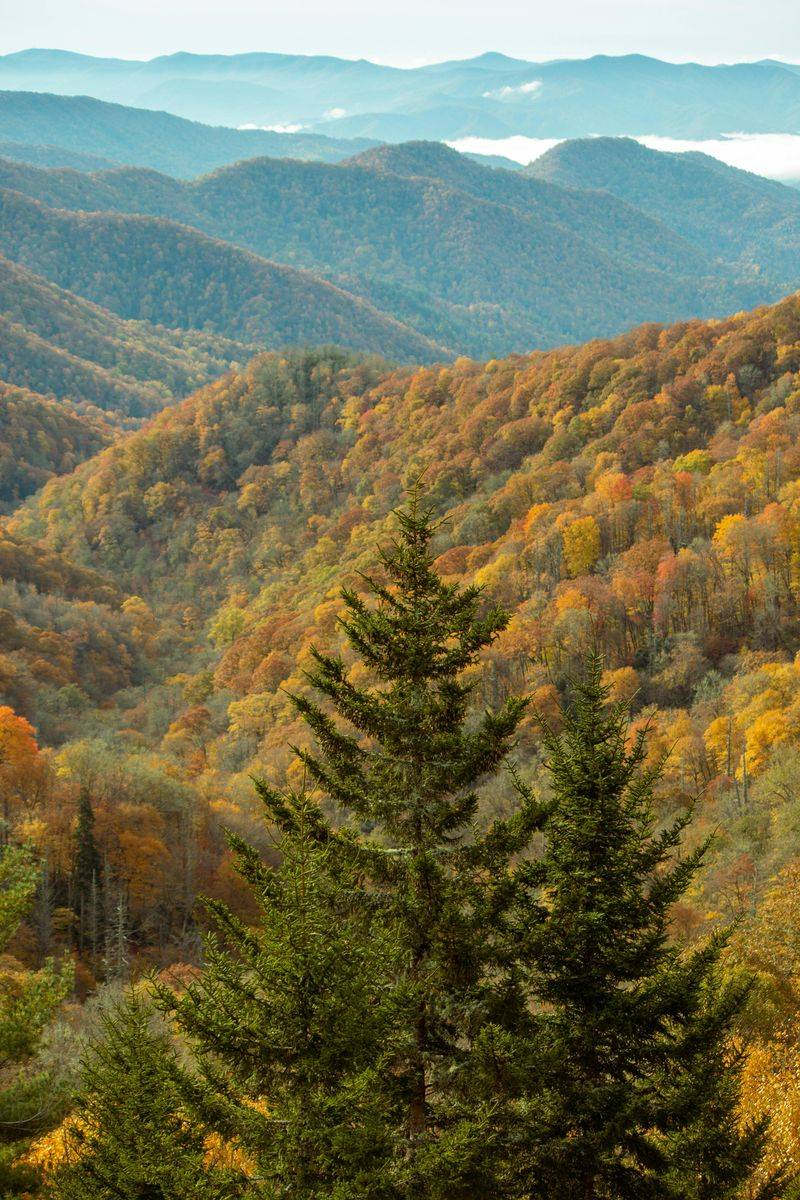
(633, 1086)
(131, 1137)
(87, 879)
(289, 1021)
(407, 770)
(398, 784)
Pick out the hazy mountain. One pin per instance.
(156, 270)
(56, 343)
(488, 96)
(724, 211)
(480, 261)
(54, 156)
(150, 139)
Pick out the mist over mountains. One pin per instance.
(492, 96)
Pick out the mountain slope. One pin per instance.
(722, 210)
(40, 438)
(642, 494)
(53, 156)
(481, 261)
(497, 441)
(67, 641)
(149, 139)
(608, 223)
(155, 270)
(57, 343)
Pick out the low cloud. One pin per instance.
(775, 155)
(523, 89)
(275, 128)
(518, 148)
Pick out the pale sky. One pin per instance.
(413, 31)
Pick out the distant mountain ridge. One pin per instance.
(142, 138)
(43, 155)
(491, 96)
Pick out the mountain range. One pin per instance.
(146, 268)
(490, 96)
(415, 250)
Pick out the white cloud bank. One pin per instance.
(524, 89)
(274, 128)
(776, 155)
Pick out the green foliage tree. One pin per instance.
(635, 1089)
(30, 1100)
(132, 1138)
(364, 1038)
(408, 777)
(87, 878)
(289, 1019)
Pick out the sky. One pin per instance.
(411, 32)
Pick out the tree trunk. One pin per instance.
(418, 1104)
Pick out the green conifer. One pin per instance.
(373, 1042)
(132, 1139)
(633, 1086)
(289, 1022)
(406, 774)
(87, 879)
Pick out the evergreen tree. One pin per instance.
(399, 792)
(130, 1138)
(117, 963)
(289, 1021)
(30, 1097)
(634, 1088)
(87, 878)
(408, 776)
(710, 1155)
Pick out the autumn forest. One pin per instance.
(399, 744)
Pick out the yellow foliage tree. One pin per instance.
(581, 546)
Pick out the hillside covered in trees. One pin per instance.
(40, 438)
(155, 270)
(56, 343)
(736, 215)
(476, 260)
(639, 494)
